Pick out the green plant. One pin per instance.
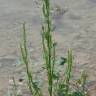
(48, 45)
(34, 89)
(15, 87)
(56, 86)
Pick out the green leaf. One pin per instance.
(63, 60)
(77, 94)
(56, 76)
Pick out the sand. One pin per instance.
(76, 29)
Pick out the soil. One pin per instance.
(74, 27)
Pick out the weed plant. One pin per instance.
(56, 86)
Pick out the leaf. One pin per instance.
(63, 60)
(55, 76)
(77, 93)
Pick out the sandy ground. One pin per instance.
(74, 29)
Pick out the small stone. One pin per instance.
(21, 80)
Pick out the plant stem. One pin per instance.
(24, 52)
(68, 71)
(48, 44)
